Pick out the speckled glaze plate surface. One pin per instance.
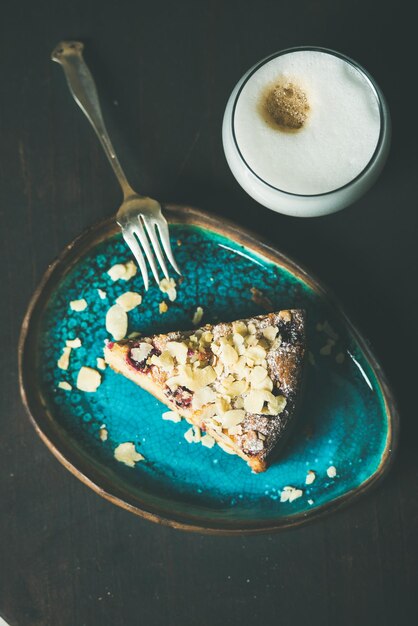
(348, 417)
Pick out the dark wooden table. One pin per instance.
(164, 71)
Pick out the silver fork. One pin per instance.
(136, 212)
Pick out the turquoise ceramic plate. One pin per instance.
(348, 419)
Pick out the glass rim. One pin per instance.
(354, 64)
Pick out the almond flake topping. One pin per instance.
(286, 316)
(228, 355)
(225, 447)
(165, 361)
(227, 374)
(270, 332)
(203, 396)
(232, 418)
(258, 375)
(240, 328)
(178, 350)
(141, 353)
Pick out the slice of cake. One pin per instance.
(240, 382)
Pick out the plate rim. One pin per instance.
(184, 214)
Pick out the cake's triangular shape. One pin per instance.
(240, 381)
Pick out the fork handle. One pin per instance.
(83, 89)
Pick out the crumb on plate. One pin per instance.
(64, 360)
(289, 494)
(127, 454)
(310, 477)
(332, 471)
(197, 316)
(78, 305)
(64, 385)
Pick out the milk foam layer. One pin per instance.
(338, 139)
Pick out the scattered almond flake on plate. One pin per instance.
(332, 471)
(289, 494)
(64, 360)
(326, 350)
(64, 385)
(73, 343)
(102, 294)
(78, 305)
(207, 441)
(197, 316)
(123, 271)
(171, 416)
(168, 286)
(310, 502)
(88, 379)
(163, 307)
(116, 322)
(310, 477)
(127, 454)
(134, 335)
(328, 330)
(101, 363)
(189, 436)
(340, 358)
(129, 300)
(103, 433)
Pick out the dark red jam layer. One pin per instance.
(181, 396)
(141, 365)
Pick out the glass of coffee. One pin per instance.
(306, 131)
